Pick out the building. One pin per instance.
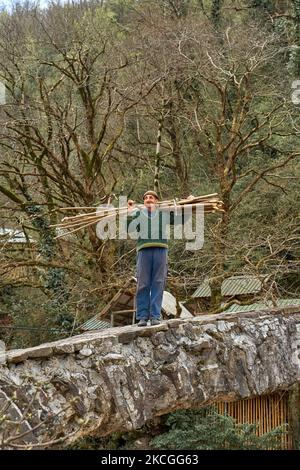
(15, 242)
(241, 288)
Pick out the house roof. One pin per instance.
(235, 308)
(95, 324)
(123, 300)
(11, 235)
(235, 285)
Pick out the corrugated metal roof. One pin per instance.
(95, 324)
(14, 236)
(235, 285)
(235, 308)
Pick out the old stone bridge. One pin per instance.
(117, 379)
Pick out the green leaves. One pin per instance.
(205, 429)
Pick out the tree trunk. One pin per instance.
(294, 415)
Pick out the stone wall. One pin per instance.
(119, 378)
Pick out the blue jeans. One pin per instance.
(151, 278)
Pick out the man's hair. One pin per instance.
(151, 193)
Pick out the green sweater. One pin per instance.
(153, 226)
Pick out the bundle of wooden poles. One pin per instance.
(209, 202)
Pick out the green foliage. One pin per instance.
(216, 9)
(120, 9)
(87, 443)
(25, 319)
(265, 5)
(46, 234)
(205, 429)
(57, 307)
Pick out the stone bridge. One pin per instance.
(119, 378)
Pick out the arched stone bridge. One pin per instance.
(117, 379)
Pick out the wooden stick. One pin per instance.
(206, 206)
(78, 221)
(210, 204)
(82, 217)
(180, 201)
(77, 208)
(73, 231)
(98, 214)
(70, 223)
(162, 202)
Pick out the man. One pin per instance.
(152, 256)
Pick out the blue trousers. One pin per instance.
(151, 278)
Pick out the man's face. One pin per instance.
(150, 202)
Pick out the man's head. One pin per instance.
(150, 199)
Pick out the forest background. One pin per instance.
(98, 97)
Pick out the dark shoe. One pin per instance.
(154, 322)
(142, 323)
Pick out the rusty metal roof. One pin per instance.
(236, 285)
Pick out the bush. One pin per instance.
(205, 429)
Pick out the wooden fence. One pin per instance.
(267, 411)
